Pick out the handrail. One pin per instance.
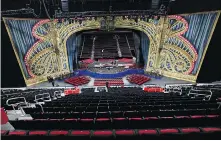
(191, 92)
(42, 97)
(17, 104)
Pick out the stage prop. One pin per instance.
(175, 46)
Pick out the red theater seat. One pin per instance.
(80, 133)
(77, 81)
(197, 116)
(147, 132)
(190, 130)
(124, 132)
(103, 133)
(17, 133)
(211, 129)
(58, 133)
(169, 131)
(38, 133)
(138, 79)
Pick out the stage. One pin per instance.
(161, 82)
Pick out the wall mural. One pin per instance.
(177, 44)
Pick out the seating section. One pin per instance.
(106, 45)
(79, 80)
(153, 89)
(138, 79)
(111, 82)
(86, 49)
(124, 45)
(196, 132)
(120, 113)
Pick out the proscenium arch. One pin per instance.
(152, 29)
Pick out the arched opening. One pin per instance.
(98, 44)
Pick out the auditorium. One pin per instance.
(110, 69)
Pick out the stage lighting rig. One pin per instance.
(17, 12)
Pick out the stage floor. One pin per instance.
(161, 82)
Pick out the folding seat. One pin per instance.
(116, 114)
(103, 108)
(211, 129)
(88, 115)
(91, 109)
(38, 133)
(169, 131)
(147, 132)
(136, 123)
(80, 108)
(81, 134)
(103, 115)
(103, 123)
(17, 133)
(136, 107)
(114, 108)
(124, 134)
(125, 108)
(87, 123)
(69, 123)
(102, 134)
(132, 114)
(58, 133)
(120, 123)
(189, 130)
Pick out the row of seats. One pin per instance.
(116, 123)
(111, 82)
(153, 89)
(138, 79)
(77, 81)
(166, 133)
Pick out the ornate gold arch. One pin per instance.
(48, 56)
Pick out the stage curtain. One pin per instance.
(22, 38)
(78, 44)
(200, 28)
(71, 47)
(137, 46)
(145, 47)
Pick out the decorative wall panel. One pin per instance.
(174, 46)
